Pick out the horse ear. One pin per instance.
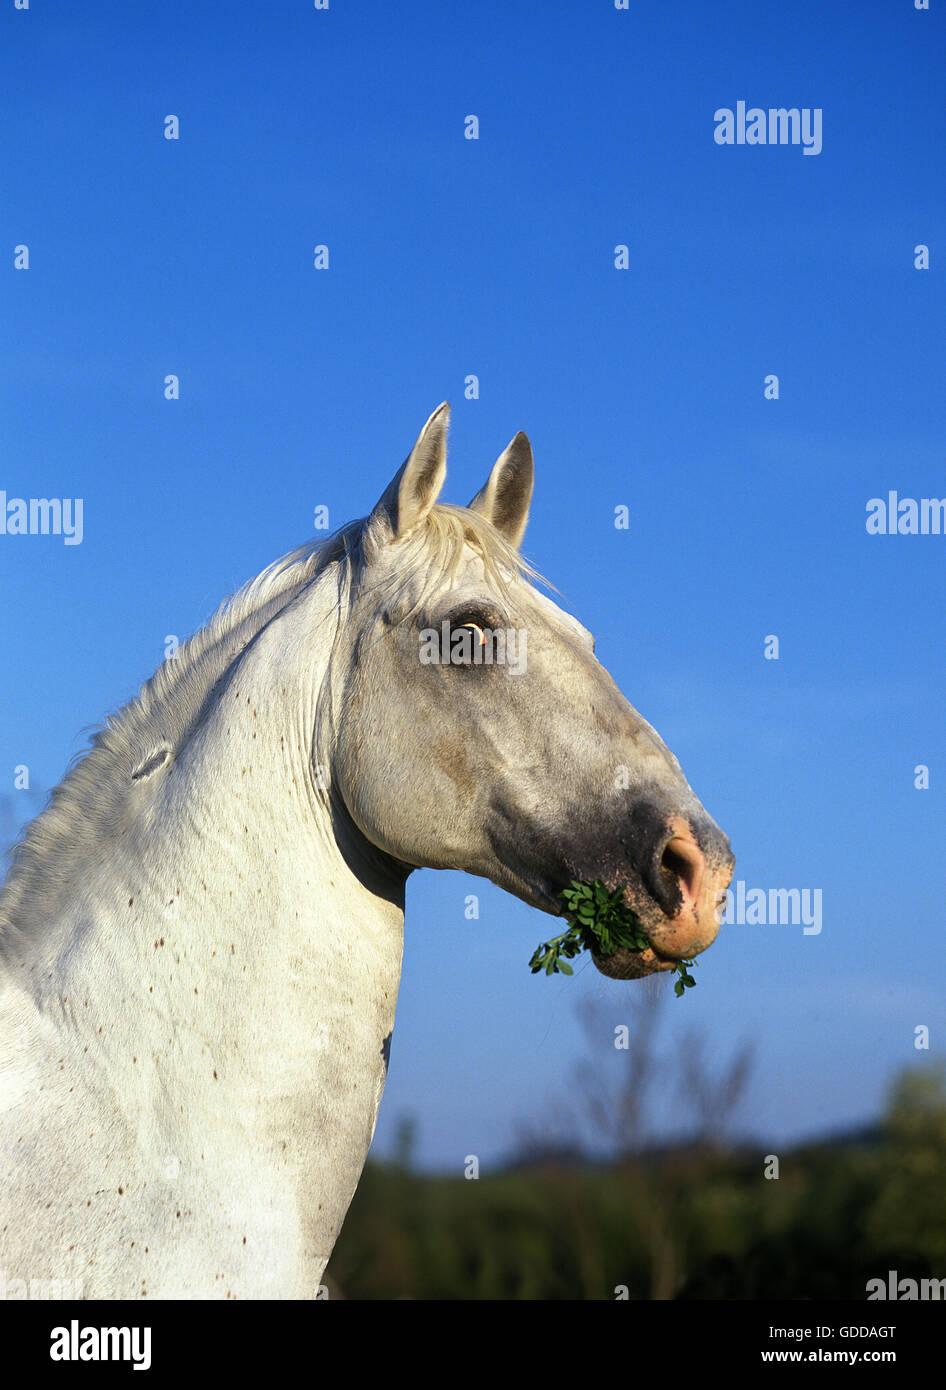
(505, 496)
(416, 485)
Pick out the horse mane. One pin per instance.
(86, 809)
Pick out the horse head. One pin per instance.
(481, 732)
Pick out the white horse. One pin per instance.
(200, 937)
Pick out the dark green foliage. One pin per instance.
(683, 1223)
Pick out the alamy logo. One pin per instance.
(468, 644)
(905, 1290)
(14, 1289)
(42, 516)
(779, 125)
(906, 516)
(75, 1343)
(773, 907)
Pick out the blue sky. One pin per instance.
(640, 387)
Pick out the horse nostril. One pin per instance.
(683, 859)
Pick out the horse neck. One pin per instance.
(239, 907)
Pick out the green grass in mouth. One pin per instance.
(598, 920)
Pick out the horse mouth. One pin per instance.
(671, 940)
(625, 964)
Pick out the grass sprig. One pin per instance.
(599, 921)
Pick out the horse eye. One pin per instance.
(475, 628)
(478, 620)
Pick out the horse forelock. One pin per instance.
(429, 560)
